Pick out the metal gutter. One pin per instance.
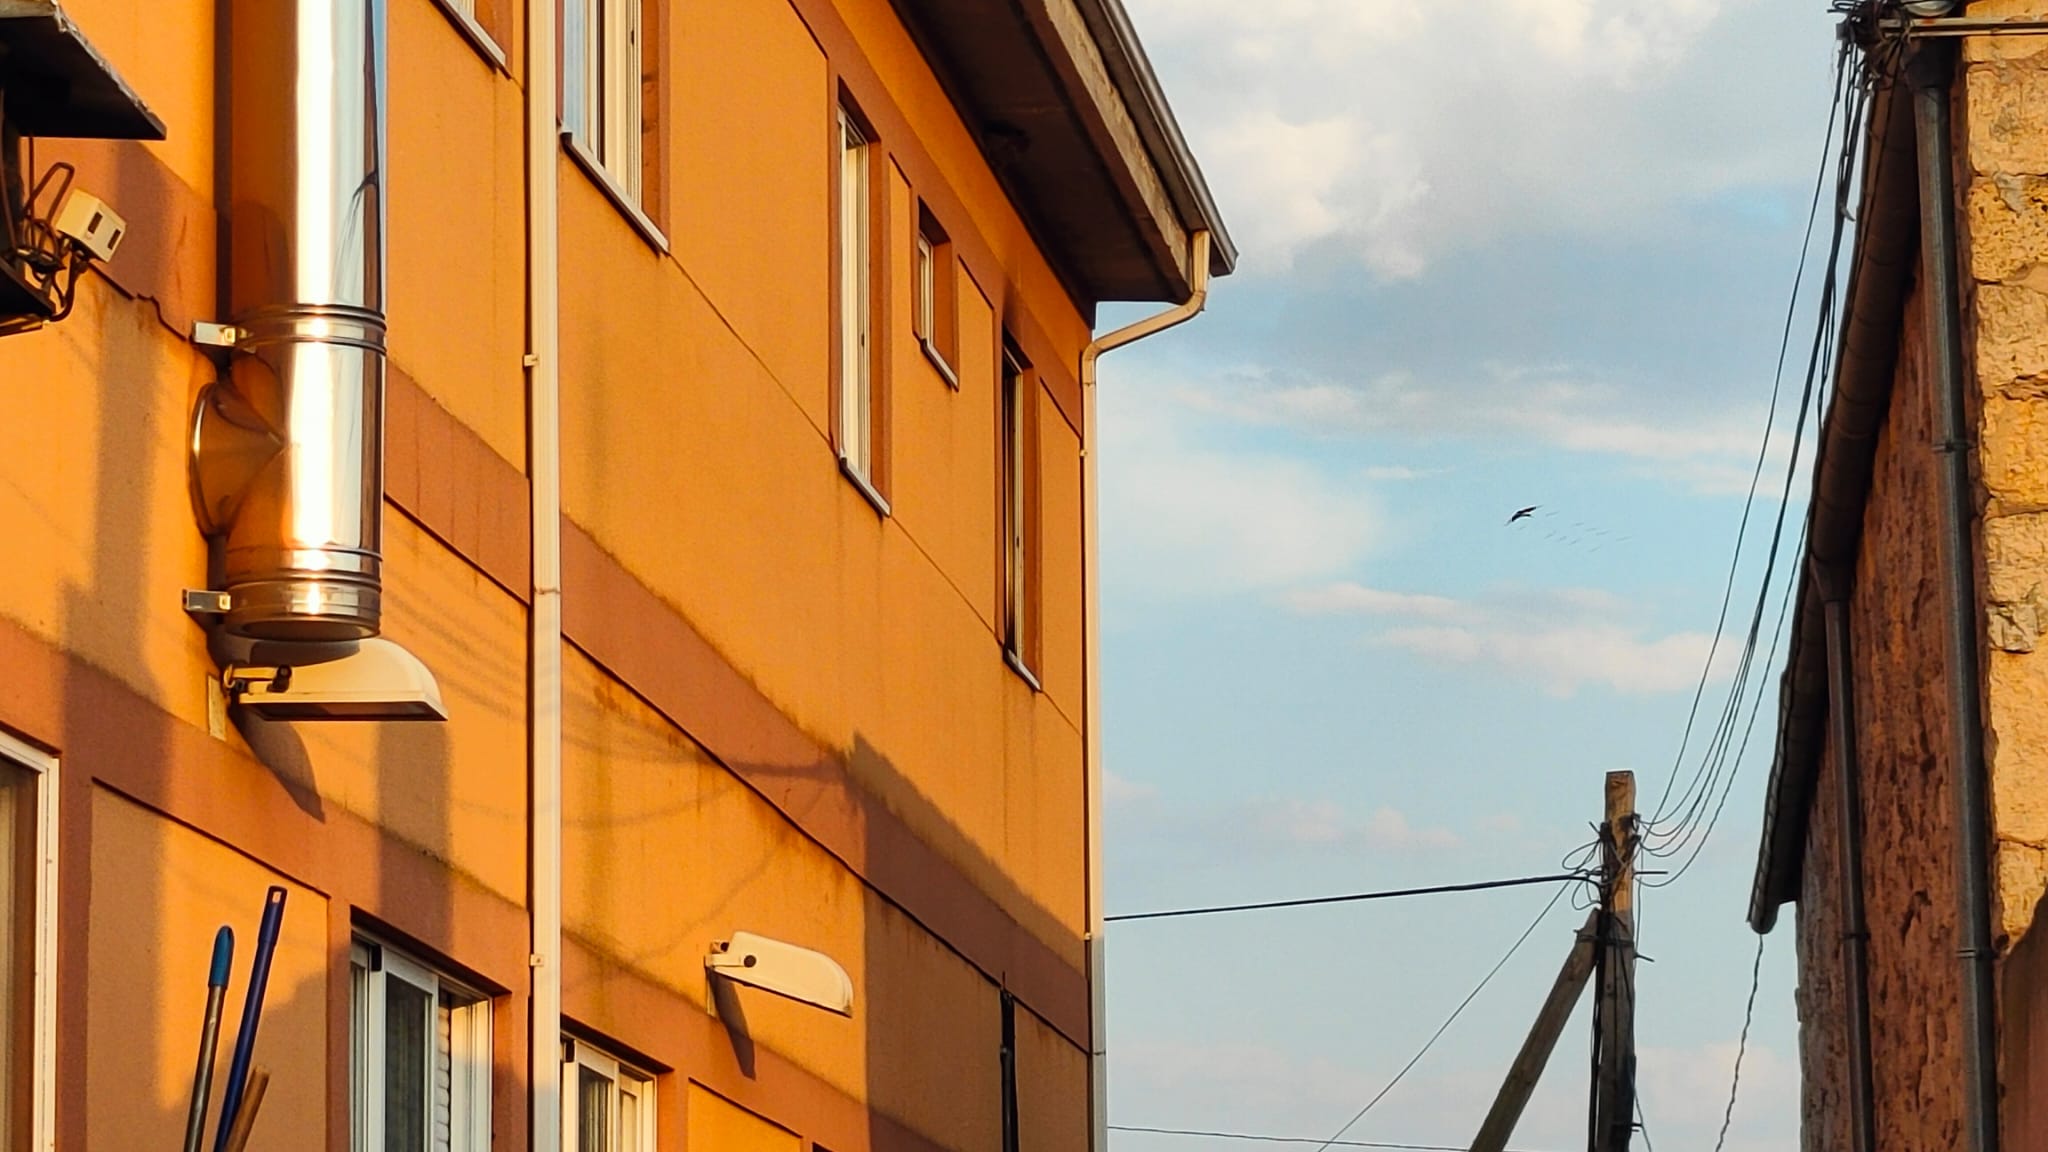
(1139, 84)
(1932, 74)
(1880, 271)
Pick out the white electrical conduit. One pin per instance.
(1091, 705)
(544, 474)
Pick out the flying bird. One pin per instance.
(1524, 513)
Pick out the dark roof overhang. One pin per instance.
(1881, 271)
(1072, 119)
(56, 84)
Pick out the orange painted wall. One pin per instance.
(697, 438)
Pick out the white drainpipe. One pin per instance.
(544, 474)
(1091, 706)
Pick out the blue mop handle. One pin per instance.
(209, 1035)
(252, 1014)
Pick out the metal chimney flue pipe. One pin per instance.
(288, 451)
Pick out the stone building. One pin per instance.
(1908, 802)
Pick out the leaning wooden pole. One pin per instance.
(1527, 1069)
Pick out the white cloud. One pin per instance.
(1297, 823)
(1122, 792)
(1563, 639)
(1686, 1090)
(1347, 597)
(1398, 130)
(1184, 517)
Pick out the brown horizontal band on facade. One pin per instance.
(444, 476)
(625, 1006)
(107, 735)
(650, 648)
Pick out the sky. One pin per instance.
(1496, 253)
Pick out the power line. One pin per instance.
(1264, 1139)
(1452, 1019)
(1756, 973)
(1352, 898)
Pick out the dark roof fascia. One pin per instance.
(1881, 271)
(1132, 70)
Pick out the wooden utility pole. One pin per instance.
(1528, 1066)
(1614, 1100)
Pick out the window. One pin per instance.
(420, 1054)
(1015, 456)
(28, 945)
(935, 317)
(856, 276)
(1008, 1056)
(603, 108)
(607, 1106)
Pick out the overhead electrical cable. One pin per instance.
(1264, 1139)
(1756, 971)
(1352, 898)
(1448, 1021)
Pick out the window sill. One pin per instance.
(1016, 664)
(946, 373)
(478, 37)
(867, 488)
(617, 195)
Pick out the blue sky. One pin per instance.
(1498, 253)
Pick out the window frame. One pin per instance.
(935, 297)
(373, 963)
(858, 434)
(578, 1054)
(42, 1055)
(606, 64)
(1016, 400)
(469, 21)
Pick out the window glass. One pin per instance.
(856, 397)
(420, 1058)
(606, 1105)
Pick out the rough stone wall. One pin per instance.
(1823, 1007)
(1895, 628)
(2003, 173)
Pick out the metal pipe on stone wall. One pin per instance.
(288, 452)
(1931, 71)
(1834, 593)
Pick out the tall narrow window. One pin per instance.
(27, 945)
(420, 1050)
(1016, 513)
(934, 317)
(603, 108)
(607, 1105)
(1009, 1069)
(856, 327)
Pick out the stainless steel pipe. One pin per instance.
(288, 452)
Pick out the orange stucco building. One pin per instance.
(797, 354)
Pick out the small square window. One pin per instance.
(607, 1105)
(935, 314)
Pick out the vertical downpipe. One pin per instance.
(1849, 858)
(1091, 670)
(544, 471)
(1931, 72)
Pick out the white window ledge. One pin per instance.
(866, 486)
(946, 373)
(617, 195)
(476, 35)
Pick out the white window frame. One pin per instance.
(1015, 394)
(602, 114)
(927, 290)
(856, 304)
(372, 964)
(43, 1059)
(626, 1081)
